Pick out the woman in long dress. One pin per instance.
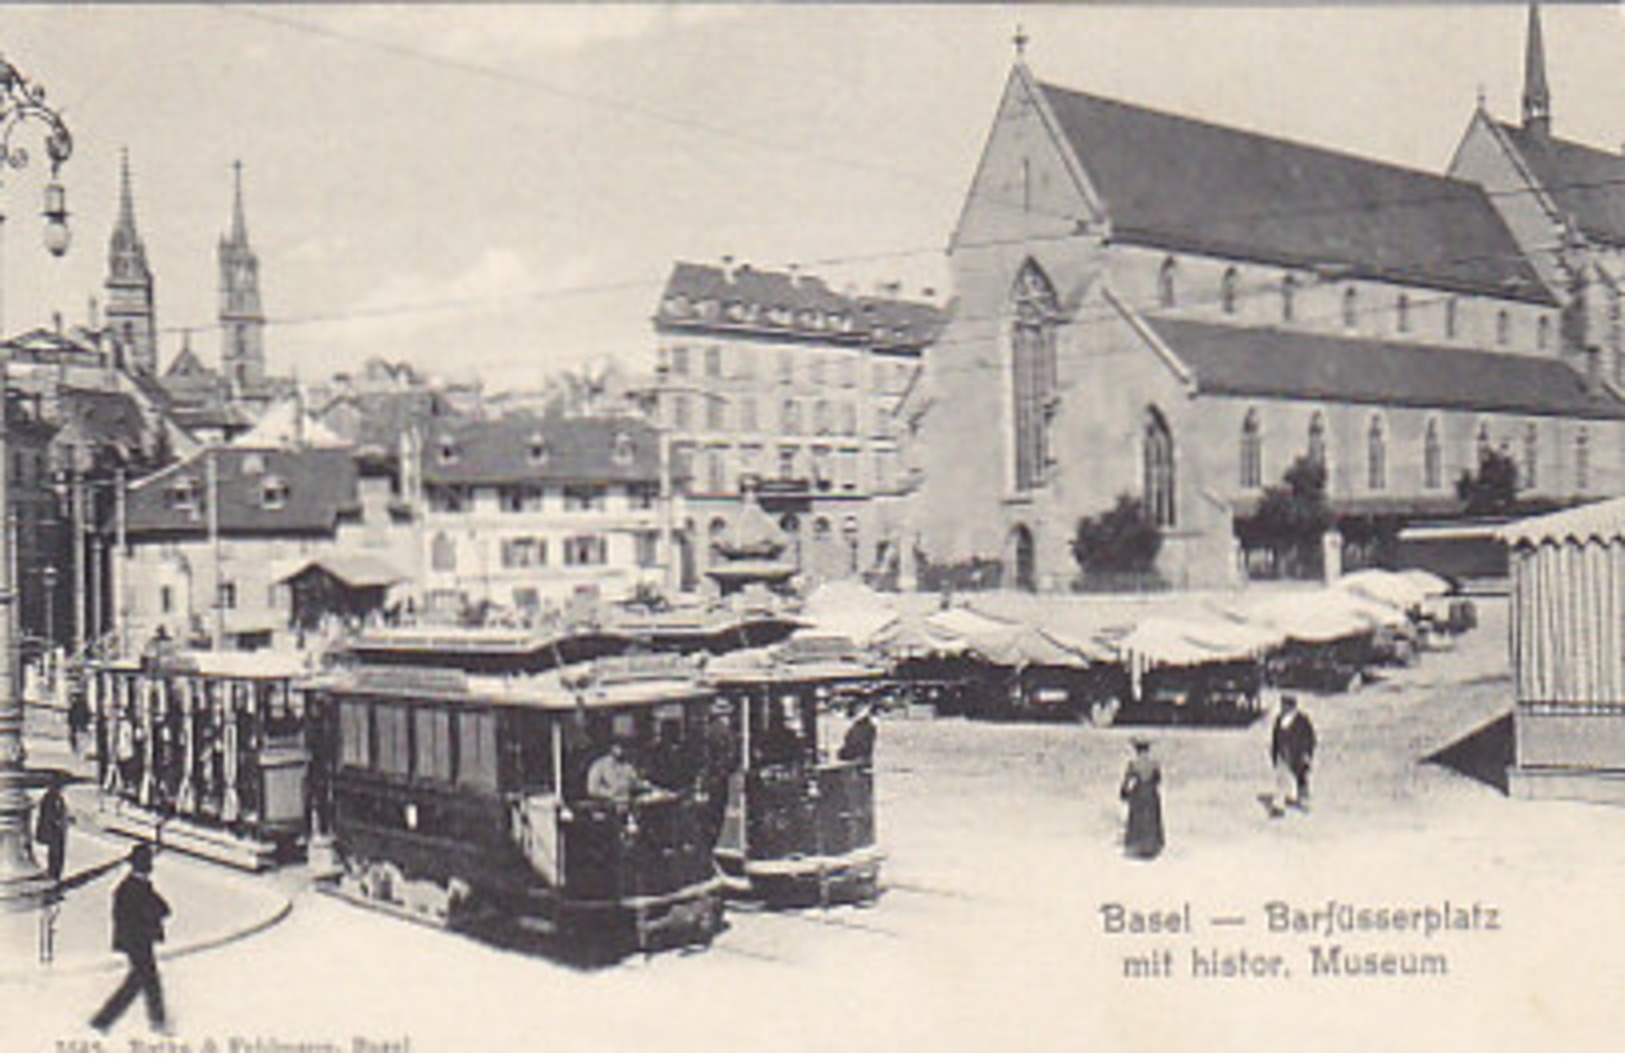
(1142, 790)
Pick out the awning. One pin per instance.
(1181, 642)
(357, 570)
(1008, 643)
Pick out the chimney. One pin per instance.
(794, 270)
(56, 323)
(728, 268)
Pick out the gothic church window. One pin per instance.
(1351, 307)
(1158, 469)
(1228, 285)
(1252, 451)
(1451, 311)
(1543, 333)
(1432, 457)
(1402, 314)
(1033, 373)
(1376, 456)
(1317, 439)
(1582, 461)
(1167, 284)
(1503, 327)
(1289, 298)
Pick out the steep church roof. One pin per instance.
(1303, 365)
(1181, 184)
(1584, 183)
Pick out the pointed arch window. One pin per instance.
(1481, 441)
(1033, 374)
(1543, 333)
(1229, 283)
(1529, 472)
(1158, 469)
(1503, 327)
(1168, 283)
(1317, 439)
(1376, 465)
(1289, 298)
(1451, 316)
(1402, 313)
(1582, 461)
(1351, 307)
(1432, 457)
(1252, 451)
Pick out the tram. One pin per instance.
(204, 751)
(469, 801)
(800, 821)
(491, 651)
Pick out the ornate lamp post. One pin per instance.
(22, 883)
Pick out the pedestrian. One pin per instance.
(78, 714)
(1142, 790)
(138, 923)
(51, 828)
(1292, 753)
(858, 746)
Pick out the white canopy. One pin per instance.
(1315, 616)
(1180, 642)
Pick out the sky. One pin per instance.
(496, 193)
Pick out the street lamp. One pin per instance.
(22, 883)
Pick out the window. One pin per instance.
(679, 359)
(1582, 461)
(787, 366)
(394, 739)
(680, 417)
(849, 371)
(787, 463)
(536, 449)
(519, 498)
(182, 495)
(716, 470)
(581, 497)
(1351, 308)
(1033, 372)
(1543, 333)
(716, 413)
(1289, 298)
(585, 550)
(274, 493)
(849, 419)
(1228, 285)
(449, 499)
(1158, 459)
(1168, 283)
(823, 419)
(1317, 439)
(166, 599)
(815, 367)
(1451, 322)
(1252, 451)
(1530, 472)
(790, 417)
(477, 750)
(1481, 441)
(1402, 314)
(433, 756)
(682, 467)
(1503, 327)
(443, 553)
(1376, 456)
(642, 496)
(448, 450)
(648, 549)
(747, 414)
(713, 362)
(355, 735)
(524, 553)
(846, 469)
(226, 595)
(1432, 457)
(744, 363)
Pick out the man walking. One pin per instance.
(51, 828)
(1292, 752)
(138, 923)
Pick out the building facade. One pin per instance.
(774, 384)
(524, 513)
(1155, 306)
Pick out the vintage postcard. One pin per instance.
(811, 527)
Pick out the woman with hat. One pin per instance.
(1142, 790)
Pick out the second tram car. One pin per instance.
(571, 805)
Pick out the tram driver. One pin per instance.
(613, 776)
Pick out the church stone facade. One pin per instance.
(1157, 306)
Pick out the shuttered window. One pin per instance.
(477, 750)
(433, 744)
(394, 740)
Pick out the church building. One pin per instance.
(1154, 305)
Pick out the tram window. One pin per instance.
(353, 734)
(433, 744)
(477, 750)
(394, 740)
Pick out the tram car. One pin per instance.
(480, 803)
(800, 822)
(695, 629)
(491, 651)
(205, 751)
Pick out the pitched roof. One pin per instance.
(186, 363)
(1259, 361)
(1585, 183)
(792, 304)
(577, 450)
(1601, 522)
(1177, 183)
(104, 417)
(321, 487)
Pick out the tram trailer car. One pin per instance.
(461, 800)
(800, 825)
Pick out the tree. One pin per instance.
(1494, 488)
(1124, 539)
(1293, 515)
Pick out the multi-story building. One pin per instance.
(774, 384)
(525, 513)
(213, 542)
(1154, 305)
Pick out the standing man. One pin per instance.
(138, 923)
(1292, 752)
(51, 828)
(613, 777)
(859, 744)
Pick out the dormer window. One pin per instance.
(447, 450)
(623, 449)
(536, 449)
(182, 495)
(677, 305)
(274, 493)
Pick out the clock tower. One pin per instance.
(242, 320)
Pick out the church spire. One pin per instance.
(242, 320)
(126, 254)
(131, 305)
(1537, 101)
(239, 224)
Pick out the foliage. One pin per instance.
(1292, 517)
(968, 574)
(1124, 539)
(1493, 489)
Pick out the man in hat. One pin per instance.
(51, 827)
(1292, 752)
(858, 746)
(612, 776)
(138, 923)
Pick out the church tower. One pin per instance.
(1537, 99)
(131, 308)
(242, 321)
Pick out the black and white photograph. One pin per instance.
(811, 527)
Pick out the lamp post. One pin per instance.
(22, 883)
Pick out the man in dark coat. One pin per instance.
(51, 828)
(859, 744)
(138, 923)
(1292, 752)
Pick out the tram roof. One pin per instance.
(489, 641)
(228, 664)
(774, 666)
(641, 682)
